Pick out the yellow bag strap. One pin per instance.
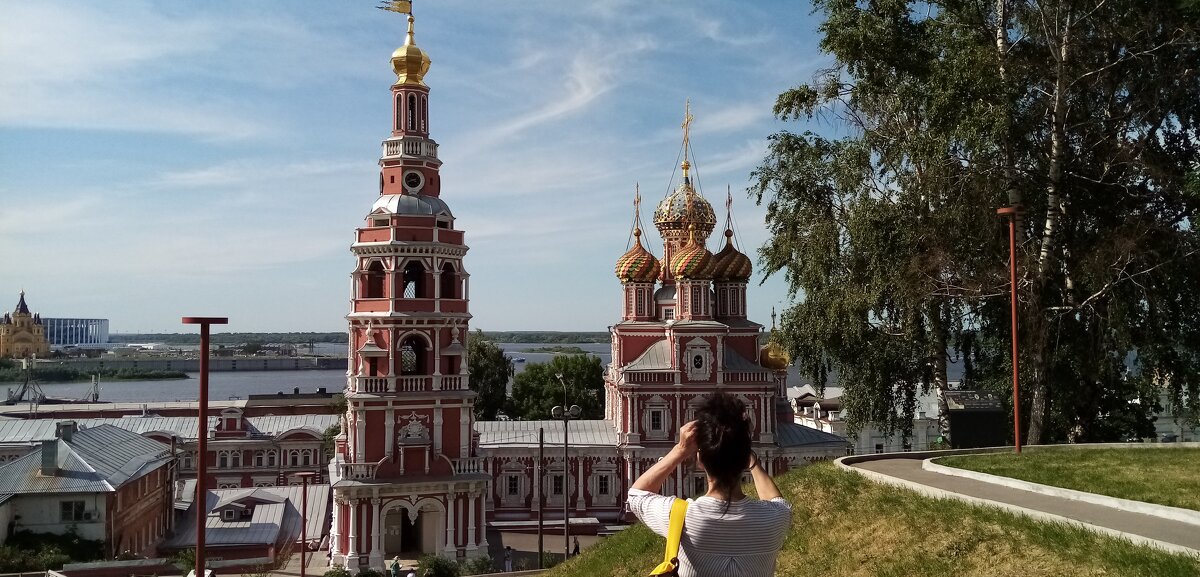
(675, 529)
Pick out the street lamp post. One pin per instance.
(304, 477)
(565, 414)
(1011, 213)
(201, 498)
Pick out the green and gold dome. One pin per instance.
(730, 264)
(682, 209)
(638, 264)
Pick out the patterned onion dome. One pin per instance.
(693, 261)
(638, 265)
(684, 208)
(409, 62)
(730, 264)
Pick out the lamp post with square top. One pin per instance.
(201, 498)
(566, 414)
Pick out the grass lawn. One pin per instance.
(1162, 476)
(845, 525)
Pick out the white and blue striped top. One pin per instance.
(742, 542)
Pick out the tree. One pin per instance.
(537, 389)
(1084, 112)
(490, 370)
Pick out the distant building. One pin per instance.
(104, 482)
(824, 412)
(76, 332)
(256, 523)
(22, 334)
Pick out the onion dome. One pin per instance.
(410, 62)
(772, 356)
(683, 208)
(638, 265)
(21, 306)
(693, 261)
(730, 264)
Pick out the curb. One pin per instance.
(1162, 511)
(1031, 513)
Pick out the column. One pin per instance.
(335, 533)
(450, 521)
(352, 544)
(437, 428)
(360, 434)
(579, 484)
(471, 500)
(376, 534)
(464, 433)
(389, 423)
(483, 500)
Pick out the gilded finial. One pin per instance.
(772, 319)
(409, 62)
(687, 132)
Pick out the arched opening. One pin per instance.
(448, 282)
(412, 112)
(373, 281)
(424, 114)
(414, 281)
(413, 356)
(399, 112)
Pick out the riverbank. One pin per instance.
(70, 375)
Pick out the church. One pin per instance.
(415, 474)
(22, 333)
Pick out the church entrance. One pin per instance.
(401, 535)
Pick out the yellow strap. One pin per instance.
(675, 529)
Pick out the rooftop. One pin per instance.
(95, 460)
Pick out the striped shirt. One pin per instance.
(741, 543)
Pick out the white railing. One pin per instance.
(373, 384)
(763, 377)
(410, 147)
(468, 465)
(357, 470)
(451, 382)
(412, 384)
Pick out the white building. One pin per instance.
(824, 412)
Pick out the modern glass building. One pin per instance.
(65, 332)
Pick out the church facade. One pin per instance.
(22, 333)
(414, 473)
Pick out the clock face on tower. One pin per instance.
(413, 181)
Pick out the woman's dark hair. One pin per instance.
(723, 440)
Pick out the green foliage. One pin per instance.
(437, 566)
(369, 572)
(888, 235)
(477, 566)
(185, 560)
(490, 371)
(546, 337)
(537, 389)
(568, 350)
(337, 572)
(252, 348)
(329, 439)
(28, 551)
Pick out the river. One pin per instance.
(238, 384)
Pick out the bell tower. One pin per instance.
(406, 476)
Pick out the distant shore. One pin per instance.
(559, 350)
(67, 375)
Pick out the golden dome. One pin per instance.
(730, 264)
(410, 62)
(684, 208)
(693, 260)
(638, 265)
(772, 356)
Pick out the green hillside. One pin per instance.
(844, 525)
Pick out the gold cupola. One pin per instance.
(410, 62)
(772, 356)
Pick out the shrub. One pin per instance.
(436, 566)
(337, 572)
(478, 566)
(369, 572)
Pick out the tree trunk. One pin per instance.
(1055, 210)
(937, 356)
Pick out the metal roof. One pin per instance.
(417, 204)
(98, 459)
(22, 431)
(736, 362)
(583, 433)
(656, 358)
(269, 523)
(794, 435)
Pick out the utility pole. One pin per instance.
(537, 475)
(201, 498)
(1011, 213)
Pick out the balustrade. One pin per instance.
(468, 465)
(409, 384)
(410, 147)
(357, 470)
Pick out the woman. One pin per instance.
(724, 532)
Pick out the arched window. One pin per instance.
(271, 457)
(294, 458)
(399, 112)
(412, 112)
(372, 282)
(414, 281)
(306, 457)
(412, 356)
(448, 284)
(424, 114)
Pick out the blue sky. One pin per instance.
(213, 158)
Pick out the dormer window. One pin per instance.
(228, 514)
(379, 222)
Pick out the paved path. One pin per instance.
(1137, 524)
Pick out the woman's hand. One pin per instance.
(687, 437)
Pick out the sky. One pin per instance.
(168, 159)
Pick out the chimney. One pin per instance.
(50, 457)
(65, 430)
